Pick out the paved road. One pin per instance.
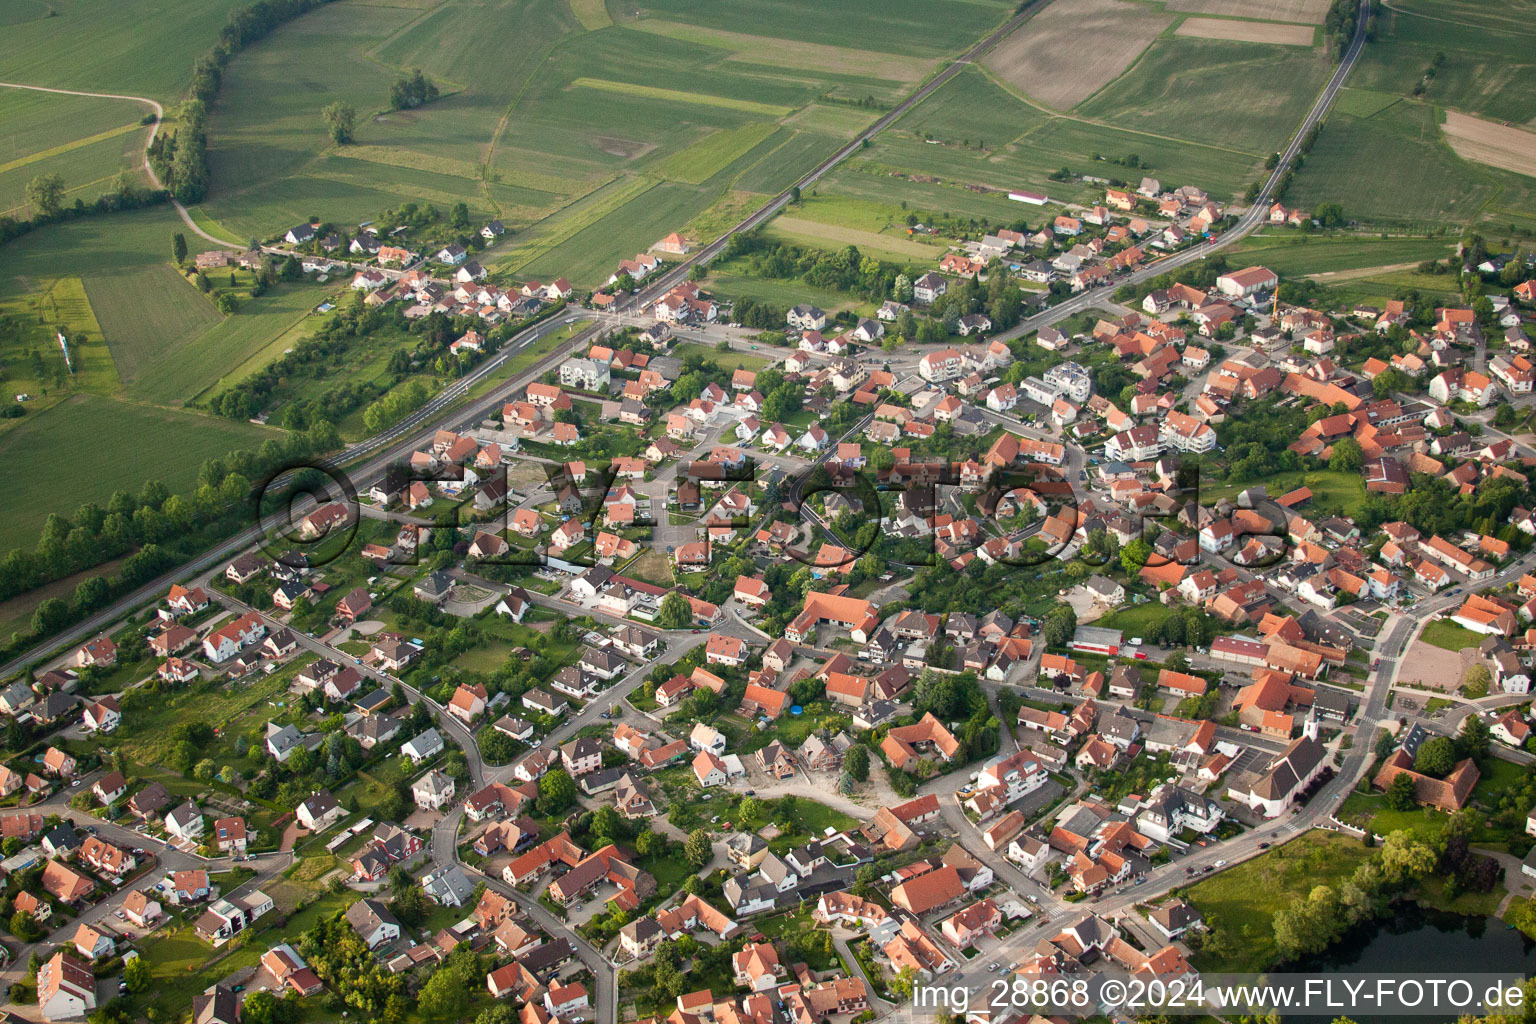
(169, 858)
(363, 461)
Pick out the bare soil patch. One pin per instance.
(1497, 145)
(1247, 31)
(1311, 12)
(1427, 667)
(1047, 58)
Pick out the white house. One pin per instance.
(421, 747)
(433, 791)
(185, 822)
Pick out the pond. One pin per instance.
(1418, 940)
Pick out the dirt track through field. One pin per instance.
(1508, 148)
(1047, 58)
(1359, 272)
(1247, 31)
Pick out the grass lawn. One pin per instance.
(813, 819)
(651, 566)
(1371, 810)
(1330, 488)
(1499, 774)
(1137, 619)
(1449, 636)
(1241, 901)
(726, 280)
(731, 360)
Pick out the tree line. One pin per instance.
(161, 529)
(188, 166)
(46, 194)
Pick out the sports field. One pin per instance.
(106, 444)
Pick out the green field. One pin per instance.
(99, 445)
(1391, 168)
(86, 141)
(1490, 49)
(252, 337)
(732, 360)
(1290, 251)
(1240, 902)
(34, 362)
(146, 312)
(109, 46)
(712, 154)
(730, 281)
(918, 27)
(1262, 90)
(1449, 636)
(1330, 488)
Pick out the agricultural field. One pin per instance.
(1289, 252)
(1489, 68)
(147, 312)
(1264, 91)
(86, 140)
(123, 445)
(1309, 12)
(103, 45)
(1391, 168)
(561, 136)
(1247, 31)
(1512, 149)
(1031, 58)
(247, 340)
(910, 27)
(1019, 144)
(1438, 101)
